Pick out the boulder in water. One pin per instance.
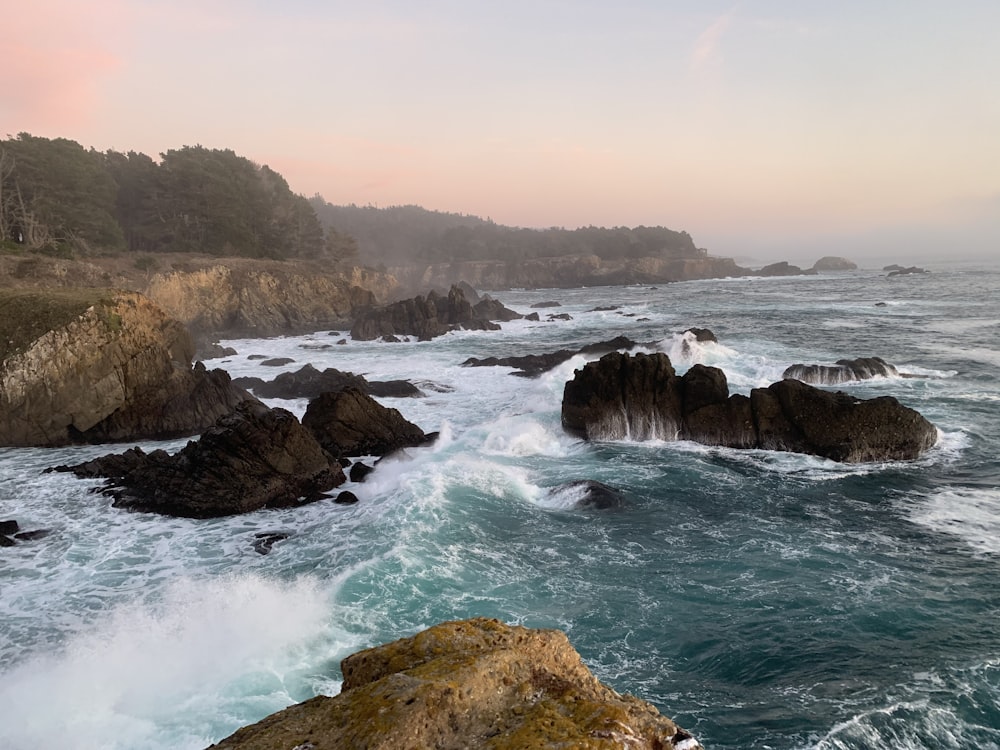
(467, 685)
(844, 371)
(640, 397)
(254, 457)
(588, 493)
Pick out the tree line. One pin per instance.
(57, 197)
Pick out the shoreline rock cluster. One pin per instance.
(641, 397)
(468, 685)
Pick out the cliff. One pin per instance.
(466, 685)
(564, 271)
(90, 365)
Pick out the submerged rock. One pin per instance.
(588, 493)
(640, 397)
(254, 457)
(468, 685)
(844, 371)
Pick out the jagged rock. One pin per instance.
(834, 263)
(252, 458)
(641, 397)
(533, 317)
(532, 365)
(308, 382)
(468, 685)
(110, 367)
(7, 528)
(844, 371)
(560, 316)
(351, 423)
(430, 316)
(588, 493)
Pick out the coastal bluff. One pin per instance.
(92, 365)
(467, 685)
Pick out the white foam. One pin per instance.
(201, 646)
(969, 514)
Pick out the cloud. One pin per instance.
(707, 45)
(60, 52)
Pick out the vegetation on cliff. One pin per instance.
(26, 314)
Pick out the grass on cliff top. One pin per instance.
(27, 314)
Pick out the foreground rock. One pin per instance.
(308, 382)
(642, 398)
(351, 423)
(430, 316)
(467, 685)
(844, 371)
(254, 457)
(85, 366)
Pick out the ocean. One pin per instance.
(762, 600)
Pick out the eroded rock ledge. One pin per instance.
(467, 685)
(641, 397)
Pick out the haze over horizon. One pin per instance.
(765, 129)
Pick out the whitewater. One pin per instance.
(761, 599)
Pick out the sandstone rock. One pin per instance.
(119, 369)
(844, 371)
(351, 423)
(641, 397)
(468, 685)
(252, 458)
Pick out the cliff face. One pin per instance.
(466, 685)
(265, 298)
(564, 271)
(119, 370)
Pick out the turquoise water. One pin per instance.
(763, 600)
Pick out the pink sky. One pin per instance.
(761, 128)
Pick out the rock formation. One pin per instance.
(111, 366)
(532, 365)
(468, 685)
(252, 458)
(430, 316)
(587, 493)
(834, 263)
(308, 382)
(641, 397)
(350, 423)
(844, 371)
(784, 268)
(895, 269)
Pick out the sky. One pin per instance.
(767, 129)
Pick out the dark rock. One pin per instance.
(351, 423)
(881, 304)
(533, 317)
(784, 268)
(360, 471)
(844, 371)
(6, 541)
(256, 356)
(315, 347)
(702, 335)
(263, 542)
(834, 263)
(588, 493)
(253, 458)
(277, 361)
(539, 305)
(342, 342)
(214, 350)
(560, 316)
(607, 308)
(895, 270)
(346, 498)
(640, 397)
(27, 536)
(308, 382)
(430, 316)
(390, 339)
(9, 527)
(532, 365)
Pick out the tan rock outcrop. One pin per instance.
(467, 685)
(120, 370)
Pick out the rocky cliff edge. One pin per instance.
(466, 685)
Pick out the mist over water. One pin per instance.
(763, 600)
